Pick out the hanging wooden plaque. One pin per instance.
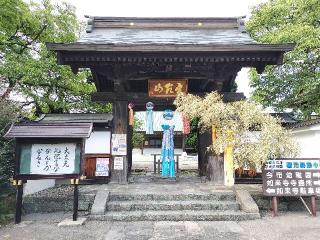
(167, 87)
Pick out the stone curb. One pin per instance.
(100, 203)
(247, 204)
(70, 223)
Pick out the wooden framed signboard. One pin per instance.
(295, 177)
(167, 87)
(291, 177)
(48, 151)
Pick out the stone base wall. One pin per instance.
(284, 203)
(57, 199)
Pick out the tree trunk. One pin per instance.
(215, 168)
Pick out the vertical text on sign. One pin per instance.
(50, 159)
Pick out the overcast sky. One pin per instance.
(169, 8)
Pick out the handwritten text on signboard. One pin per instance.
(49, 159)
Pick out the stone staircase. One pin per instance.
(216, 206)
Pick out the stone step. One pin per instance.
(171, 205)
(216, 196)
(184, 215)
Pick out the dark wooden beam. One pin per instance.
(100, 58)
(143, 98)
(205, 84)
(95, 47)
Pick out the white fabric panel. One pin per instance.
(158, 120)
(98, 142)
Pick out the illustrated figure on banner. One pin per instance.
(167, 150)
(149, 118)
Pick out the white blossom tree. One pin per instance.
(254, 135)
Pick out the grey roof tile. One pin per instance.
(52, 130)
(77, 118)
(166, 36)
(305, 123)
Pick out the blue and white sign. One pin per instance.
(102, 167)
(291, 177)
(294, 164)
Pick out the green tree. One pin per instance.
(28, 70)
(8, 114)
(295, 84)
(137, 136)
(192, 137)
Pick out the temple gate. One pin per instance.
(125, 54)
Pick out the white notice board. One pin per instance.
(53, 159)
(118, 163)
(119, 144)
(102, 167)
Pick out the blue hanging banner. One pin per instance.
(167, 150)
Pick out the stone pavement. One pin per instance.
(288, 226)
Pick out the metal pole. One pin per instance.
(306, 206)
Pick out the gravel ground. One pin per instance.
(288, 226)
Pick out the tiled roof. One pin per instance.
(286, 118)
(306, 123)
(76, 118)
(110, 30)
(166, 34)
(49, 130)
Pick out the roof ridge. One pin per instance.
(165, 22)
(162, 18)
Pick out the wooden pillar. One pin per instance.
(120, 126)
(19, 201)
(209, 165)
(313, 206)
(228, 162)
(228, 167)
(274, 206)
(75, 201)
(204, 140)
(215, 169)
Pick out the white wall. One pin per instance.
(33, 186)
(309, 142)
